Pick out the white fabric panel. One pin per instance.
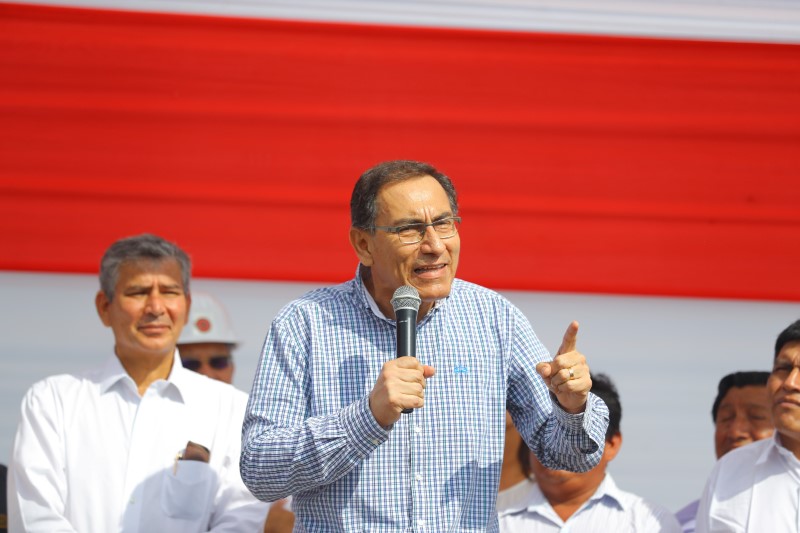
(737, 20)
(666, 356)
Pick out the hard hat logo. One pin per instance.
(208, 322)
(203, 325)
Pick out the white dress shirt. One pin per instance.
(687, 517)
(515, 498)
(608, 510)
(753, 488)
(91, 455)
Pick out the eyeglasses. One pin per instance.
(414, 233)
(218, 362)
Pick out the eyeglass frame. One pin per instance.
(423, 228)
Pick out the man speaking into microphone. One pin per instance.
(325, 418)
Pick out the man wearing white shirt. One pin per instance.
(741, 415)
(139, 443)
(757, 487)
(589, 502)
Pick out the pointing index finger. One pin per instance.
(570, 340)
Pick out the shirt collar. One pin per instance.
(788, 457)
(370, 302)
(610, 490)
(537, 502)
(113, 372)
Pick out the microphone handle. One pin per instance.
(406, 336)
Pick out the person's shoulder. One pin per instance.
(322, 297)
(64, 383)
(219, 400)
(468, 297)
(743, 457)
(650, 515)
(62, 391)
(466, 290)
(213, 387)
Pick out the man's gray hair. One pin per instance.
(145, 247)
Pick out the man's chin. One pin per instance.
(433, 293)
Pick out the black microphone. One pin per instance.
(405, 303)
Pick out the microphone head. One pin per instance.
(406, 297)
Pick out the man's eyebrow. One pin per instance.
(410, 221)
(137, 287)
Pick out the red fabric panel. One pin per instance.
(596, 164)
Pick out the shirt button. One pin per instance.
(419, 477)
(420, 523)
(418, 429)
(376, 442)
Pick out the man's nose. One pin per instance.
(155, 304)
(792, 381)
(432, 240)
(739, 427)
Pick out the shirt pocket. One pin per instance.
(185, 493)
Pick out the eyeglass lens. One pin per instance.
(218, 362)
(416, 232)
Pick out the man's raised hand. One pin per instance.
(567, 375)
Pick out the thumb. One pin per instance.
(570, 340)
(428, 371)
(544, 369)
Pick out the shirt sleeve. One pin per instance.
(36, 479)
(283, 452)
(560, 440)
(657, 519)
(235, 508)
(703, 518)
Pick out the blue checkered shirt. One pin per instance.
(308, 429)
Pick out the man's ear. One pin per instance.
(188, 307)
(102, 303)
(613, 446)
(361, 240)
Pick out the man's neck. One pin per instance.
(567, 498)
(385, 307)
(144, 369)
(790, 443)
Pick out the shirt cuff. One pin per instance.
(363, 431)
(574, 421)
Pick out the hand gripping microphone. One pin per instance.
(405, 303)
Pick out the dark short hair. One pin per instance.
(603, 387)
(145, 247)
(738, 380)
(790, 334)
(364, 200)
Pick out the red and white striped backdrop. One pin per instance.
(588, 163)
(601, 149)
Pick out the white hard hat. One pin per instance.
(208, 322)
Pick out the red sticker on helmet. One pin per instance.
(202, 324)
